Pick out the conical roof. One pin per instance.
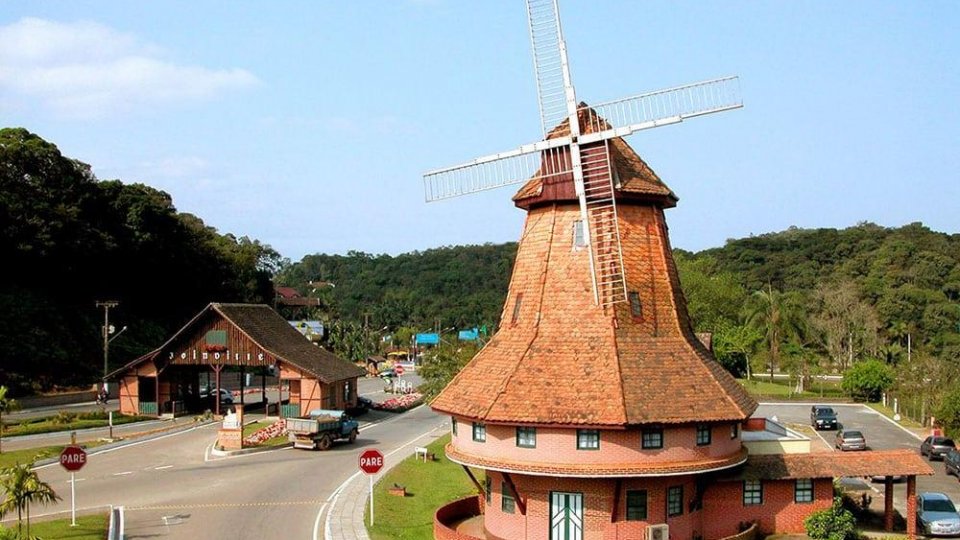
(559, 359)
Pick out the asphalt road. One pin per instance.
(880, 433)
(172, 487)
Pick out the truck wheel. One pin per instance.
(324, 443)
(353, 435)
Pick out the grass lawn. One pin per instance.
(67, 422)
(92, 527)
(29, 455)
(784, 389)
(429, 486)
(888, 412)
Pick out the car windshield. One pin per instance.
(852, 435)
(938, 505)
(825, 412)
(946, 442)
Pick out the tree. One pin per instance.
(834, 523)
(6, 405)
(847, 327)
(441, 364)
(734, 345)
(868, 380)
(948, 413)
(21, 488)
(779, 317)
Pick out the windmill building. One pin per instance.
(595, 412)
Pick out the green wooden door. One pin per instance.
(566, 516)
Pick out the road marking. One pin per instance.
(58, 512)
(894, 422)
(163, 467)
(316, 522)
(124, 473)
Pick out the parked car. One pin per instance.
(850, 440)
(363, 405)
(951, 463)
(936, 447)
(225, 396)
(936, 515)
(822, 417)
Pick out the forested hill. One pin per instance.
(68, 240)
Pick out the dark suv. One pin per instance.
(951, 463)
(936, 447)
(823, 417)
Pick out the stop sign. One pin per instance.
(371, 461)
(73, 458)
(398, 370)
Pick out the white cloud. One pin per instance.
(88, 70)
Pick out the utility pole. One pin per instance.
(105, 332)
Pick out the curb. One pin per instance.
(251, 450)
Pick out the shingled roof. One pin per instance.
(636, 178)
(273, 334)
(559, 359)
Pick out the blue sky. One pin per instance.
(307, 125)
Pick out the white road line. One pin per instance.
(163, 467)
(888, 419)
(316, 522)
(830, 446)
(124, 473)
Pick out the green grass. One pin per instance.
(784, 389)
(88, 528)
(888, 412)
(429, 486)
(67, 422)
(30, 455)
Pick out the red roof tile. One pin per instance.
(833, 465)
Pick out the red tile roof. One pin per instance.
(833, 465)
(592, 470)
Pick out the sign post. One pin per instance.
(73, 458)
(371, 461)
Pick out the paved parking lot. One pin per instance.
(880, 432)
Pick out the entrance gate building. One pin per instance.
(186, 373)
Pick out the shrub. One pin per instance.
(948, 414)
(834, 523)
(63, 418)
(867, 380)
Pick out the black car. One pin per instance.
(935, 447)
(822, 417)
(951, 462)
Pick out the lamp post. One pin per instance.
(105, 331)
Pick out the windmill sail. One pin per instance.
(549, 63)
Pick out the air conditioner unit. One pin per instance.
(658, 532)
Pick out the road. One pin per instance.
(172, 487)
(881, 434)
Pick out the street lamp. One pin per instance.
(105, 332)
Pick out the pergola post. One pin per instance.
(911, 516)
(216, 399)
(888, 503)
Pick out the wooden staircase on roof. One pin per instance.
(601, 210)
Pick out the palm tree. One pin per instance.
(779, 317)
(21, 487)
(6, 405)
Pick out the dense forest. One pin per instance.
(68, 240)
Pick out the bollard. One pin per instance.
(73, 438)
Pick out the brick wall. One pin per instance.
(724, 509)
(447, 516)
(559, 445)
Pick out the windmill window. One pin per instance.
(734, 431)
(588, 439)
(752, 492)
(636, 308)
(453, 426)
(579, 239)
(803, 491)
(527, 437)
(487, 486)
(651, 439)
(516, 309)
(479, 432)
(674, 501)
(637, 505)
(507, 503)
(703, 435)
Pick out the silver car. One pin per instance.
(850, 440)
(936, 515)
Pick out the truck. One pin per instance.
(318, 430)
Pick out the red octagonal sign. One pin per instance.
(73, 458)
(371, 461)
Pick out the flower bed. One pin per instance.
(400, 403)
(276, 429)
